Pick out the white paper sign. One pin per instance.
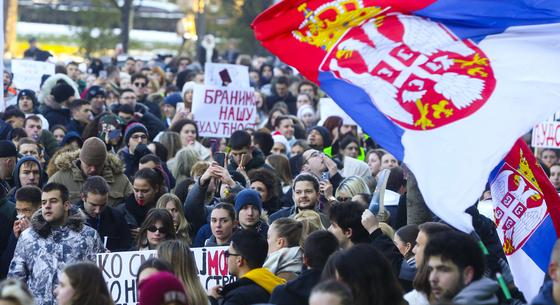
(219, 111)
(120, 270)
(226, 75)
(546, 135)
(28, 73)
(328, 108)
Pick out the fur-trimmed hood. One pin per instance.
(75, 222)
(51, 82)
(68, 161)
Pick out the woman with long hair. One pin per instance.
(172, 142)
(281, 166)
(173, 205)
(148, 185)
(188, 133)
(178, 254)
(157, 228)
(350, 187)
(82, 284)
(369, 275)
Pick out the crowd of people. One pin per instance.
(110, 159)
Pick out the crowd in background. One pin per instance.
(109, 158)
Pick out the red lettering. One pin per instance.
(213, 263)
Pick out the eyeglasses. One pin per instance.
(228, 254)
(140, 85)
(161, 230)
(136, 137)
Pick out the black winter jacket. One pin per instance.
(297, 291)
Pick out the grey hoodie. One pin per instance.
(481, 292)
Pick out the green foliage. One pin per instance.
(99, 21)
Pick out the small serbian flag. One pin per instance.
(527, 216)
(446, 86)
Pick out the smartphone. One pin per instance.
(325, 176)
(220, 158)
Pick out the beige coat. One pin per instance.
(70, 174)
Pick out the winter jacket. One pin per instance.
(481, 292)
(112, 228)
(60, 116)
(7, 215)
(386, 247)
(70, 174)
(545, 296)
(134, 213)
(48, 141)
(76, 126)
(152, 123)
(252, 288)
(17, 182)
(297, 291)
(286, 260)
(43, 251)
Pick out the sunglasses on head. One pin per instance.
(161, 230)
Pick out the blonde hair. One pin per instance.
(290, 229)
(185, 159)
(15, 291)
(182, 229)
(311, 221)
(179, 255)
(387, 230)
(353, 185)
(199, 168)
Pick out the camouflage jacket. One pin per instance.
(42, 252)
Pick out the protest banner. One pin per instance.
(546, 135)
(28, 73)
(120, 271)
(327, 108)
(219, 111)
(226, 75)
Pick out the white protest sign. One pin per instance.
(546, 135)
(328, 108)
(28, 73)
(120, 270)
(219, 111)
(226, 75)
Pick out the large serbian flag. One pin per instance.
(527, 214)
(446, 86)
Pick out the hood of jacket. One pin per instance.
(264, 278)
(285, 260)
(17, 182)
(481, 292)
(75, 222)
(70, 161)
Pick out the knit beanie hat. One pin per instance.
(62, 91)
(325, 134)
(304, 110)
(7, 149)
(29, 93)
(132, 129)
(161, 288)
(278, 137)
(172, 99)
(94, 91)
(247, 197)
(93, 152)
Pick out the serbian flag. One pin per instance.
(527, 216)
(446, 86)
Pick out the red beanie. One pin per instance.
(161, 288)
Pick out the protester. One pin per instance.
(285, 238)
(8, 158)
(188, 133)
(456, 268)
(162, 288)
(243, 154)
(156, 228)
(331, 293)
(57, 224)
(179, 255)
(109, 222)
(266, 183)
(222, 224)
(82, 283)
(249, 209)
(245, 256)
(92, 160)
(28, 172)
(173, 205)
